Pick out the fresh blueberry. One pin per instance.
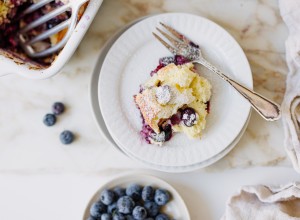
(97, 209)
(58, 108)
(107, 197)
(106, 216)
(166, 60)
(112, 208)
(119, 191)
(152, 208)
(125, 204)
(148, 193)
(66, 137)
(134, 191)
(162, 217)
(129, 217)
(49, 119)
(161, 197)
(188, 116)
(118, 216)
(180, 60)
(139, 213)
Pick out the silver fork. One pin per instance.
(70, 23)
(181, 45)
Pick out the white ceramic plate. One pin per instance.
(176, 208)
(93, 90)
(128, 64)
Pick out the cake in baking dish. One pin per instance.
(11, 23)
(174, 99)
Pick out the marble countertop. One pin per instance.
(28, 148)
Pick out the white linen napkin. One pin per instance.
(264, 203)
(290, 12)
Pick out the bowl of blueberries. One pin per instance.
(136, 197)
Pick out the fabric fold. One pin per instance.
(290, 12)
(265, 203)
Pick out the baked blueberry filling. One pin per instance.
(11, 22)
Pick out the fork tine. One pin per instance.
(168, 46)
(175, 43)
(171, 39)
(177, 34)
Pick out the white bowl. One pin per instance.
(8, 66)
(175, 208)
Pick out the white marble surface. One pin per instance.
(32, 153)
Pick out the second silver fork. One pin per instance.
(181, 45)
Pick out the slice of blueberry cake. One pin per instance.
(174, 99)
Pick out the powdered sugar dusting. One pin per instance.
(163, 94)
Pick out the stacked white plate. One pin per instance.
(126, 61)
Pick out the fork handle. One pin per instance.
(266, 108)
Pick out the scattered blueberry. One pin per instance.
(112, 208)
(125, 205)
(97, 209)
(119, 191)
(49, 119)
(106, 216)
(66, 137)
(139, 213)
(161, 197)
(162, 217)
(166, 60)
(118, 216)
(107, 197)
(152, 208)
(188, 116)
(58, 108)
(148, 193)
(134, 191)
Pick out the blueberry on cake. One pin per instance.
(11, 23)
(174, 99)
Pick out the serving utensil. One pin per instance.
(181, 45)
(27, 44)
